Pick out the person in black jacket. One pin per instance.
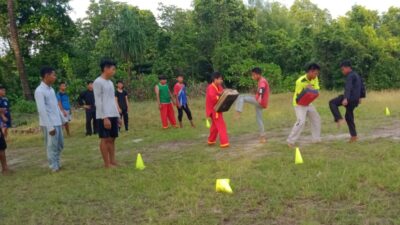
(353, 93)
(86, 99)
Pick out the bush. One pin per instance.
(239, 75)
(23, 106)
(143, 87)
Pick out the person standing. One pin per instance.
(309, 81)
(260, 100)
(3, 147)
(121, 98)
(86, 99)
(64, 105)
(5, 118)
(107, 114)
(50, 117)
(218, 126)
(181, 100)
(354, 91)
(165, 101)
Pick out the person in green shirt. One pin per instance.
(165, 100)
(308, 81)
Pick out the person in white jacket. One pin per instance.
(50, 117)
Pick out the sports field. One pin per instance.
(339, 183)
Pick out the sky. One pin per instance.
(335, 7)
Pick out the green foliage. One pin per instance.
(143, 86)
(228, 36)
(23, 106)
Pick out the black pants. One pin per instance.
(187, 111)
(91, 120)
(334, 106)
(124, 116)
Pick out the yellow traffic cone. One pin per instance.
(298, 159)
(387, 111)
(208, 125)
(222, 185)
(139, 162)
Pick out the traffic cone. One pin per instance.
(222, 185)
(298, 159)
(139, 162)
(208, 125)
(387, 111)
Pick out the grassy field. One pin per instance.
(339, 183)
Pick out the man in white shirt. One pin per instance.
(50, 117)
(107, 114)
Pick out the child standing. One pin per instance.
(218, 127)
(64, 105)
(164, 100)
(3, 146)
(5, 118)
(121, 98)
(181, 100)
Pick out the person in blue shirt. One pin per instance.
(5, 118)
(64, 105)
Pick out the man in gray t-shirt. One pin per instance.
(107, 114)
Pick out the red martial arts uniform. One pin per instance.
(166, 109)
(167, 114)
(218, 126)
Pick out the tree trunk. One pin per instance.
(15, 47)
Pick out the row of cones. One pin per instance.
(222, 185)
(208, 124)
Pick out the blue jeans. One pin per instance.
(54, 146)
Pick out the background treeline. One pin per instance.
(225, 35)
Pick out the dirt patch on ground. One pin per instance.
(242, 146)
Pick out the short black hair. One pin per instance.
(120, 81)
(162, 77)
(107, 63)
(257, 70)
(180, 75)
(89, 82)
(62, 82)
(346, 63)
(45, 70)
(216, 75)
(312, 66)
(2, 87)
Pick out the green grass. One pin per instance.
(338, 183)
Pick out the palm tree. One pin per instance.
(14, 39)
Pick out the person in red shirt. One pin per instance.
(260, 100)
(218, 127)
(182, 100)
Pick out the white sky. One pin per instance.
(335, 7)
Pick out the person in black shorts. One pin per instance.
(121, 98)
(107, 114)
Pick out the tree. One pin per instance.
(128, 37)
(14, 39)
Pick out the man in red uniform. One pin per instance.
(218, 127)
(260, 100)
